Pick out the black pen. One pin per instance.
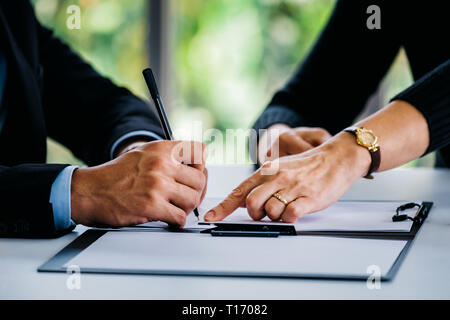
(151, 84)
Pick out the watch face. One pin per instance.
(367, 138)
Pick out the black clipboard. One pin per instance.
(57, 263)
(422, 214)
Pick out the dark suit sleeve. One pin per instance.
(24, 196)
(85, 111)
(342, 70)
(431, 96)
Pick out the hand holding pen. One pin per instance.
(151, 84)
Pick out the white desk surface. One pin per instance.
(424, 274)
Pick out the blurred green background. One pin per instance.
(226, 57)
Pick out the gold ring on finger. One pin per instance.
(277, 196)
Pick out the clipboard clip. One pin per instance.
(250, 230)
(402, 217)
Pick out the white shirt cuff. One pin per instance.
(60, 198)
(138, 133)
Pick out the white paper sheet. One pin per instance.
(341, 216)
(371, 216)
(167, 252)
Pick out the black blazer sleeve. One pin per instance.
(24, 196)
(431, 96)
(83, 110)
(340, 73)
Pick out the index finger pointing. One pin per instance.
(234, 200)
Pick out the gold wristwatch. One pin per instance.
(367, 139)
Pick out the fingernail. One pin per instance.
(210, 215)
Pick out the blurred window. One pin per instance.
(217, 61)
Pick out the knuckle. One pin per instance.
(269, 168)
(294, 211)
(283, 137)
(178, 149)
(204, 180)
(322, 132)
(237, 192)
(283, 175)
(180, 218)
(222, 206)
(152, 197)
(200, 181)
(160, 164)
(192, 203)
(159, 183)
(251, 202)
(148, 205)
(266, 166)
(198, 199)
(158, 145)
(270, 207)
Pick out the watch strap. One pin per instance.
(375, 165)
(374, 154)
